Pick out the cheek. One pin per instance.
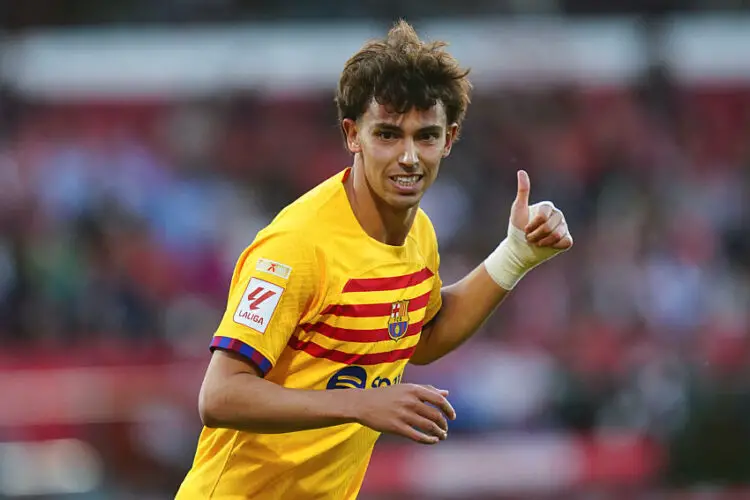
(431, 159)
(375, 163)
(377, 157)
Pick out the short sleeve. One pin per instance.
(275, 283)
(435, 301)
(432, 256)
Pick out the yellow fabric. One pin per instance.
(329, 330)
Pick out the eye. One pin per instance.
(430, 137)
(386, 135)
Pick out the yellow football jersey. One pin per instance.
(316, 304)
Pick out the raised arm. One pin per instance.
(535, 234)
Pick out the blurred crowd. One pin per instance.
(18, 14)
(120, 224)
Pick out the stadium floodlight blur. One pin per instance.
(139, 160)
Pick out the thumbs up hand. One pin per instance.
(536, 233)
(543, 224)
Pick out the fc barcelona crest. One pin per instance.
(399, 320)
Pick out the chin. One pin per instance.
(402, 202)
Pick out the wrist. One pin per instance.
(345, 405)
(515, 257)
(505, 264)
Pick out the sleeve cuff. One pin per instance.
(234, 345)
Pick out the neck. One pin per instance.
(379, 220)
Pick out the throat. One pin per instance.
(379, 220)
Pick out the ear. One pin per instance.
(351, 132)
(450, 137)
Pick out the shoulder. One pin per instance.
(294, 237)
(300, 216)
(296, 222)
(423, 230)
(288, 246)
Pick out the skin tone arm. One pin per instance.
(468, 303)
(466, 306)
(232, 389)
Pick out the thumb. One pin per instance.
(519, 214)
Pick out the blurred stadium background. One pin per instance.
(143, 143)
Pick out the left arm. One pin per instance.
(466, 306)
(535, 234)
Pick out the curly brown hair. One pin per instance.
(403, 72)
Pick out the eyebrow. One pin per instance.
(391, 127)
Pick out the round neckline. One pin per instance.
(358, 225)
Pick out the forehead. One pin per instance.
(380, 113)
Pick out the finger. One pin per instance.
(438, 400)
(534, 223)
(434, 415)
(416, 435)
(524, 187)
(443, 392)
(547, 228)
(555, 236)
(427, 426)
(538, 214)
(564, 243)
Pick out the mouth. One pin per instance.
(407, 184)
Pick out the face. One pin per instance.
(401, 153)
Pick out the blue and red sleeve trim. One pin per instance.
(234, 345)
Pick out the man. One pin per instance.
(342, 290)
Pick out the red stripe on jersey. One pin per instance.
(348, 335)
(373, 310)
(347, 358)
(391, 283)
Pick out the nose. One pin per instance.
(409, 159)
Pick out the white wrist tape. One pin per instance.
(514, 257)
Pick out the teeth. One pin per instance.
(406, 180)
